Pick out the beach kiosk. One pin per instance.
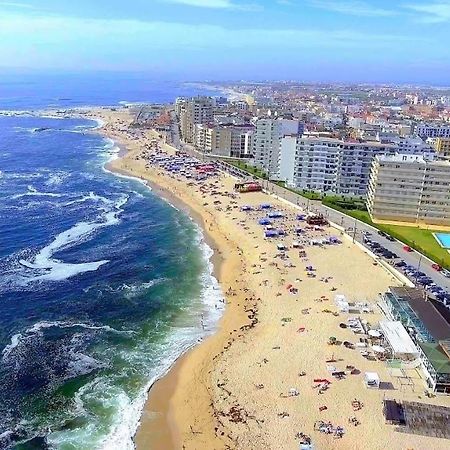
(399, 340)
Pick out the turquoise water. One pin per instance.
(443, 239)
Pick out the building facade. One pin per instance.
(411, 189)
(332, 165)
(428, 130)
(267, 141)
(442, 146)
(191, 112)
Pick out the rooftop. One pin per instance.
(425, 310)
(437, 356)
(407, 158)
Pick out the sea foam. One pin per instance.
(45, 267)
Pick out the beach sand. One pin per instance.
(231, 390)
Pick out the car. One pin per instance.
(446, 273)
(390, 238)
(382, 233)
(436, 267)
(407, 248)
(400, 263)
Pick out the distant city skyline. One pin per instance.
(310, 40)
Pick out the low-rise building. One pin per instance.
(410, 189)
(429, 329)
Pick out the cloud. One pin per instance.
(211, 4)
(434, 12)
(68, 42)
(352, 7)
(16, 5)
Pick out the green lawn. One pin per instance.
(420, 239)
(249, 168)
(417, 238)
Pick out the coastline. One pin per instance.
(158, 427)
(208, 398)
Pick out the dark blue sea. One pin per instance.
(102, 283)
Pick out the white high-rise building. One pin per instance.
(267, 142)
(316, 164)
(331, 165)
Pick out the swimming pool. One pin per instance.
(443, 239)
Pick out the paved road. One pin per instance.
(353, 226)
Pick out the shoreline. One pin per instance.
(211, 397)
(161, 431)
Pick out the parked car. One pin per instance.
(407, 248)
(382, 233)
(446, 273)
(436, 267)
(390, 238)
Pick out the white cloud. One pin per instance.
(67, 42)
(16, 5)
(434, 12)
(212, 4)
(352, 7)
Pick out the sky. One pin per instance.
(307, 40)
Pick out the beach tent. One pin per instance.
(301, 217)
(341, 302)
(398, 338)
(264, 221)
(271, 233)
(281, 247)
(282, 232)
(296, 244)
(266, 206)
(299, 230)
(372, 380)
(246, 208)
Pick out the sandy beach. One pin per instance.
(254, 383)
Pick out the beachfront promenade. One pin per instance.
(353, 227)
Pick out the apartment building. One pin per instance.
(430, 130)
(241, 140)
(316, 164)
(410, 189)
(267, 140)
(441, 145)
(191, 112)
(210, 138)
(224, 140)
(332, 165)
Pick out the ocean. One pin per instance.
(102, 283)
